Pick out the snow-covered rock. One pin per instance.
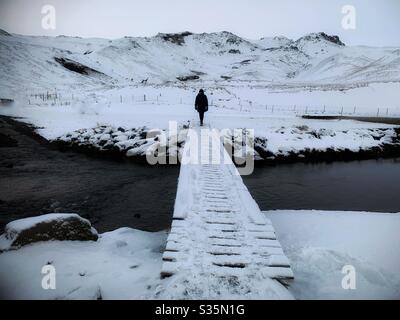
(54, 226)
(135, 142)
(276, 143)
(304, 143)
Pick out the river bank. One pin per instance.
(37, 178)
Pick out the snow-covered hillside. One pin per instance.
(30, 63)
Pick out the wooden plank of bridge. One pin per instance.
(217, 226)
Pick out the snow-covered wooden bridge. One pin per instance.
(218, 228)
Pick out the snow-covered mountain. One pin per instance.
(30, 63)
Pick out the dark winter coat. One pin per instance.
(201, 103)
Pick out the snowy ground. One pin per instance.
(320, 243)
(125, 263)
(282, 127)
(237, 105)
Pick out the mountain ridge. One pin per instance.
(176, 58)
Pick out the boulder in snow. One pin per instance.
(54, 226)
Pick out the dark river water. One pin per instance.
(36, 179)
(368, 185)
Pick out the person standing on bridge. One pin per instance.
(201, 105)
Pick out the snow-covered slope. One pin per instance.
(274, 42)
(35, 63)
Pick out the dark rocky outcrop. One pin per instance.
(245, 62)
(234, 51)
(6, 101)
(232, 38)
(76, 66)
(321, 36)
(4, 33)
(176, 38)
(334, 39)
(188, 78)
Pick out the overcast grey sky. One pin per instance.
(378, 21)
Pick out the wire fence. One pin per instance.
(320, 110)
(57, 99)
(241, 105)
(323, 110)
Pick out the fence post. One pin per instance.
(120, 97)
(341, 112)
(387, 111)
(377, 114)
(324, 108)
(306, 110)
(354, 111)
(144, 97)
